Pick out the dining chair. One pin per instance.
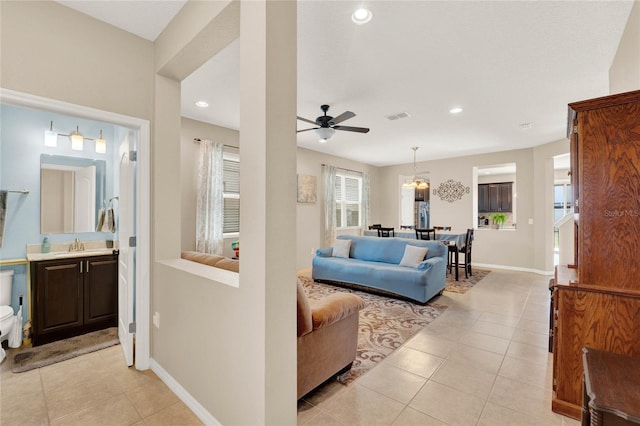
(442, 228)
(425, 234)
(466, 251)
(386, 232)
(375, 226)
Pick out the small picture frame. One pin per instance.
(306, 189)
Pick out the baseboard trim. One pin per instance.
(511, 268)
(205, 416)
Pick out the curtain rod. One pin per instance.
(198, 140)
(342, 168)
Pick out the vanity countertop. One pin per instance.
(61, 250)
(34, 257)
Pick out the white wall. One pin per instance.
(245, 331)
(518, 248)
(624, 74)
(112, 69)
(311, 216)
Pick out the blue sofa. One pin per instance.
(375, 263)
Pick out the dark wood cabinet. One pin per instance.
(483, 198)
(597, 299)
(73, 296)
(495, 197)
(422, 194)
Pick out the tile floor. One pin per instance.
(484, 361)
(93, 389)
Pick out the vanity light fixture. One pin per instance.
(361, 16)
(77, 139)
(50, 137)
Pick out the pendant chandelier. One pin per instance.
(416, 183)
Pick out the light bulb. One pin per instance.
(101, 144)
(50, 137)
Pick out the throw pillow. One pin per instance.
(341, 248)
(413, 255)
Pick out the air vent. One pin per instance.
(398, 116)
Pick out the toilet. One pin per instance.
(6, 311)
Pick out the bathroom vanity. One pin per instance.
(73, 293)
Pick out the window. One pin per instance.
(231, 192)
(561, 200)
(348, 201)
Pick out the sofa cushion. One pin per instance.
(204, 258)
(413, 255)
(232, 265)
(214, 260)
(389, 250)
(305, 324)
(341, 248)
(333, 308)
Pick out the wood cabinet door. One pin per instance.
(609, 200)
(506, 197)
(59, 299)
(483, 198)
(101, 292)
(494, 198)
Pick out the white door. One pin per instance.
(126, 267)
(84, 196)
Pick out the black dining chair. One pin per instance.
(375, 226)
(466, 251)
(386, 232)
(425, 234)
(442, 228)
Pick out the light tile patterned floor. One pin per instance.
(484, 361)
(93, 389)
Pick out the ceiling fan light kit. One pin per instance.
(327, 124)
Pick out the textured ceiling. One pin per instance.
(506, 63)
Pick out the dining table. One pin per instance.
(454, 242)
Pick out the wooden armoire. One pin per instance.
(597, 299)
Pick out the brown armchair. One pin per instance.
(327, 337)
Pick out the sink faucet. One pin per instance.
(76, 246)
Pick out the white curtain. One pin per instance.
(210, 208)
(364, 221)
(329, 177)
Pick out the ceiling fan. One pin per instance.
(327, 124)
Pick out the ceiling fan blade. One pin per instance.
(307, 120)
(342, 117)
(352, 129)
(305, 130)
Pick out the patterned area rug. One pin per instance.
(465, 284)
(385, 324)
(40, 356)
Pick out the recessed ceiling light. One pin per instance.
(361, 16)
(455, 110)
(202, 104)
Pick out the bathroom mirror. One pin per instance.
(71, 193)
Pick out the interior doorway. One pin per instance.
(140, 215)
